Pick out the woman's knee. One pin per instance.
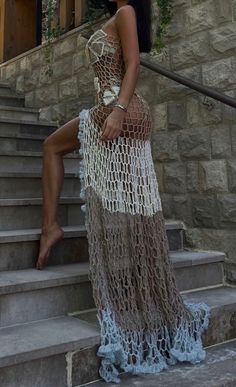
(49, 144)
(64, 139)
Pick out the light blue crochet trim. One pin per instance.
(83, 115)
(186, 345)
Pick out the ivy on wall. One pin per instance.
(50, 19)
(165, 7)
(95, 10)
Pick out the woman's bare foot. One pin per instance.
(48, 238)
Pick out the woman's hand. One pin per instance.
(112, 126)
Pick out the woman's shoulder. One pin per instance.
(124, 15)
(125, 8)
(125, 11)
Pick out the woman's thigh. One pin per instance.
(65, 139)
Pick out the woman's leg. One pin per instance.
(64, 140)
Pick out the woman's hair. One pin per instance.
(143, 11)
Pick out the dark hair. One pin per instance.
(143, 15)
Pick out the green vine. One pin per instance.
(50, 31)
(50, 28)
(165, 8)
(94, 11)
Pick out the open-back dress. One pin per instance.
(145, 323)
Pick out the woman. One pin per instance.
(145, 324)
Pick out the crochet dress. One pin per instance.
(145, 324)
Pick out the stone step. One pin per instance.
(41, 353)
(21, 142)
(68, 346)
(11, 100)
(10, 127)
(217, 370)
(66, 251)
(175, 230)
(221, 299)
(18, 185)
(71, 249)
(222, 327)
(8, 91)
(31, 291)
(5, 85)
(198, 268)
(19, 113)
(17, 214)
(30, 295)
(18, 161)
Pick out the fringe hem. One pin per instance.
(186, 345)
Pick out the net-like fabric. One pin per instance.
(145, 323)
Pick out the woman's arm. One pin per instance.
(127, 30)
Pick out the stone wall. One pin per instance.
(193, 139)
(56, 77)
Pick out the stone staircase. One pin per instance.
(48, 329)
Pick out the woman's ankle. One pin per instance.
(47, 228)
